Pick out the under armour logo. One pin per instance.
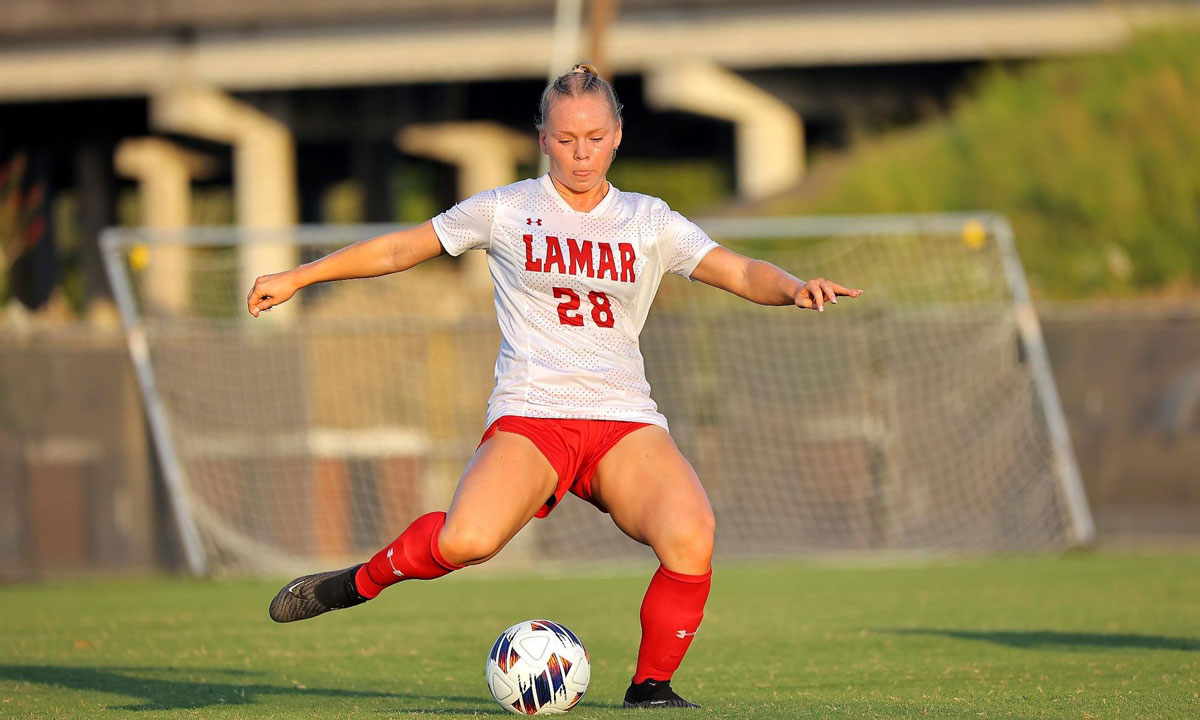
(400, 574)
(681, 634)
(529, 221)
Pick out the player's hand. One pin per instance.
(816, 293)
(269, 291)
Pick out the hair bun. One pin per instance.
(582, 79)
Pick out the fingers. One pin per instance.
(845, 292)
(262, 304)
(816, 293)
(261, 297)
(255, 299)
(827, 288)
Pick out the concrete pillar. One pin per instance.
(164, 172)
(769, 134)
(486, 155)
(264, 166)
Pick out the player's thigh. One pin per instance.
(655, 497)
(503, 486)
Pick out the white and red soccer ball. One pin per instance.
(538, 667)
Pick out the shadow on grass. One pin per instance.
(1047, 639)
(159, 694)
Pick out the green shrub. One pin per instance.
(686, 185)
(1096, 161)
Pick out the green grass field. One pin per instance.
(1088, 635)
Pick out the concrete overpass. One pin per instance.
(41, 63)
(688, 51)
(189, 58)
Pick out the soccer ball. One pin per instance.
(538, 667)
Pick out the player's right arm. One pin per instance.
(389, 253)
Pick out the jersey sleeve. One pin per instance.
(467, 225)
(683, 244)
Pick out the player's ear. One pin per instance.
(617, 136)
(542, 143)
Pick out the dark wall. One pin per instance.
(76, 482)
(1129, 379)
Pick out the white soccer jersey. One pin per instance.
(572, 292)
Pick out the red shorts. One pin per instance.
(573, 447)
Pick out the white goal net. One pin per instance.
(921, 416)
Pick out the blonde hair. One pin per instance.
(581, 80)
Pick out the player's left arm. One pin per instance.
(766, 284)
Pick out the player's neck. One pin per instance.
(584, 201)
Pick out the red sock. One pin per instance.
(412, 556)
(671, 613)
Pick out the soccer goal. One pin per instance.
(922, 416)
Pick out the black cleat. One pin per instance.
(311, 595)
(654, 694)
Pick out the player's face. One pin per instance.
(579, 138)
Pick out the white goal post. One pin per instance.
(922, 416)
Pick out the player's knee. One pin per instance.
(690, 540)
(702, 536)
(467, 546)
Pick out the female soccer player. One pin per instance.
(576, 263)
